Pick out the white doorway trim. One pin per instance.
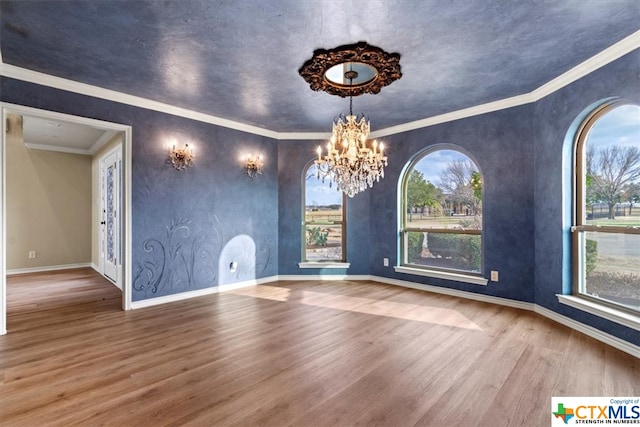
(7, 108)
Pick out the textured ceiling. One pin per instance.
(239, 60)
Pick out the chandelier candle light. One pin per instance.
(349, 163)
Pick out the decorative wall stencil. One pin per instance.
(183, 259)
(263, 256)
(188, 257)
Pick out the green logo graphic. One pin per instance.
(565, 413)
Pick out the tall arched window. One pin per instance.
(324, 220)
(606, 229)
(441, 225)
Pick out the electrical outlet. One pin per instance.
(385, 262)
(494, 276)
(32, 254)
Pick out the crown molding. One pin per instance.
(101, 141)
(106, 136)
(36, 77)
(477, 110)
(303, 135)
(57, 148)
(610, 54)
(54, 115)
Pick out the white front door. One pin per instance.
(110, 167)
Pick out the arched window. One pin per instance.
(324, 220)
(441, 218)
(606, 229)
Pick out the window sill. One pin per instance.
(325, 264)
(458, 277)
(618, 316)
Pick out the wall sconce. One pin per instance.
(181, 157)
(254, 166)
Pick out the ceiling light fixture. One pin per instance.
(351, 70)
(349, 163)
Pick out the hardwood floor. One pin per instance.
(291, 353)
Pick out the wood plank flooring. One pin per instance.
(289, 354)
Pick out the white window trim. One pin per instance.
(458, 277)
(323, 264)
(619, 316)
(475, 279)
(580, 226)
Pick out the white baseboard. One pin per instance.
(201, 292)
(47, 268)
(615, 342)
(456, 293)
(590, 331)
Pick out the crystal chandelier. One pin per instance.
(351, 70)
(349, 162)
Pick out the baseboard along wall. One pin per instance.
(48, 268)
(597, 334)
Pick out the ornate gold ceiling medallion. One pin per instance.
(351, 70)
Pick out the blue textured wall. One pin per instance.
(501, 144)
(186, 222)
(522, 154)
(292, 158)
(554, 117)
(187, 226)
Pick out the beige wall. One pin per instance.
(48, 204)
(95, 196)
